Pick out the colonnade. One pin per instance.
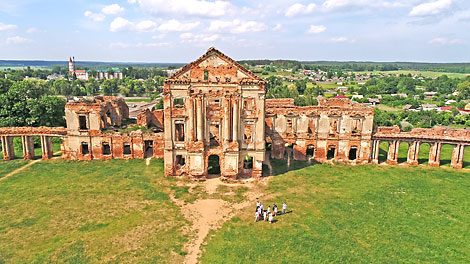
(8, 148)
(413, 152)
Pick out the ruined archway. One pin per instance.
(423, 157)
(383, 151)
(403, 152)
(352, 156)
(213, 165)
(331, 154)
(446, 154)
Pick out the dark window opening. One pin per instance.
(353, 153)
(178, 102)
(85, 150)
(106, 148)
(248, 163)
(82, 122)
(213, 165)
(179, 132)
(331, 153)
(127, 149)
(289, 126)
(206, 75)
(269, 146)
(148, 148)
(228, 80)
(180, 160)
(248, 133)
(310, 151)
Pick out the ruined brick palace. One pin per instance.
(216, 120)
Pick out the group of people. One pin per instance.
(265, 214)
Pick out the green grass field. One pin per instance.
(361, 214)
(120, 211)
(78, 212)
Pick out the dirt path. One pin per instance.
(209, 214)
(19, 169)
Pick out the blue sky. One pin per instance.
(181, 30)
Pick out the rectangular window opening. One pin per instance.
(127, 149)
(85, 150)
(206, 75)
(179, 132)
(106, 148)
(82, 122)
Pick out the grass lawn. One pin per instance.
(9, 166)
(100, 211)
(344, 214)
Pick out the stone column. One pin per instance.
(28, 147)
(226, 131)
(190, 127)
(413, 153)
(8, 148)
(235, 120)
(457, 156)
(46, 147)
(435, 154)
(375, 151)
(199, 119)
(392, 157)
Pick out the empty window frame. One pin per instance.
(334, 125)
(356, 126)
(82, 122)
(127, 149)
(248, 132)
(248, 163)
(180, 160)
(353, 153)
(206, 75)
(85, 149)
(106, 148)
(179, 130)
(178, 102)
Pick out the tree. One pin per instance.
(92, 86)
(464, 90)
(149, 86)
(109, 87)
(47, 111)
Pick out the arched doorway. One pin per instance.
(331, 154)
(446, 154)
(383, 151)
(213, 165)
(424, 153)
(310, 153)
(403, 152)
(352, 153)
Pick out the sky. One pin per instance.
(182, 30)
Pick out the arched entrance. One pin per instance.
(213, 165)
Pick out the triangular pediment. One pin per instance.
(214, 67)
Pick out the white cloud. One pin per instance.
(145, 26)
(131, 1)
(300, 9)
(122, 24)
(17, 40)
(332, 5)
(119, 45)
(6, 27)
(341, 40)
(431, 8)
(444, 41)
(236, 26)
(189, 37)
(31, 30)
(112, 9)
(175, 25)
(97, 17)
(186, 7)
(316, 29)
(277, 27)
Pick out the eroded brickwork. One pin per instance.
(216, 120)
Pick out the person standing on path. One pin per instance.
(274, 209)
(284, 207)
(265, 218)
(269, 209)
(256, 216)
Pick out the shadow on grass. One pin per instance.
(283, 166)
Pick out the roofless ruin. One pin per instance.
(216, 120)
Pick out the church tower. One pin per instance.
(71, 65)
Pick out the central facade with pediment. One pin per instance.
(214, 119)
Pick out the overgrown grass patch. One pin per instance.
(354, 214)
(96, 211)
